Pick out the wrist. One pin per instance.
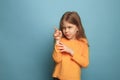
(71, 52)
(57, 41)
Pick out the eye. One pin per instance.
(69, 27)
(63, 27)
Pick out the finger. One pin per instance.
(56, 29)
(55, 34)
(62, 50)
(60, 46)
(61, 43)
(60, 32)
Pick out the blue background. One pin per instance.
(26, 37)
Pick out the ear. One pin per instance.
(77, 29)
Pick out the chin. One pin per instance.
(69, 38)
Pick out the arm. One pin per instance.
(57, 56)
(82, 58)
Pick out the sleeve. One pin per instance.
(57, 56)
(82, 58)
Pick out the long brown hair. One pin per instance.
(73, 18)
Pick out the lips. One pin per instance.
(67, 35)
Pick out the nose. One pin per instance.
(66, 30)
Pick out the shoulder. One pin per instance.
(83, 41)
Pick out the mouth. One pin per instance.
(67, 35)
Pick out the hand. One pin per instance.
(64, 48)
(57, 34)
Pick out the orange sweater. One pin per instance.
(69, 67)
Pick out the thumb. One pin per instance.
(60, 32)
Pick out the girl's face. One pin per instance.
(69, 30)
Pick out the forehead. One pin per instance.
(66, 24)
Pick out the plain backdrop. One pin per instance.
(26, 37)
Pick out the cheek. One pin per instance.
(74, 31)
(63, 31)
